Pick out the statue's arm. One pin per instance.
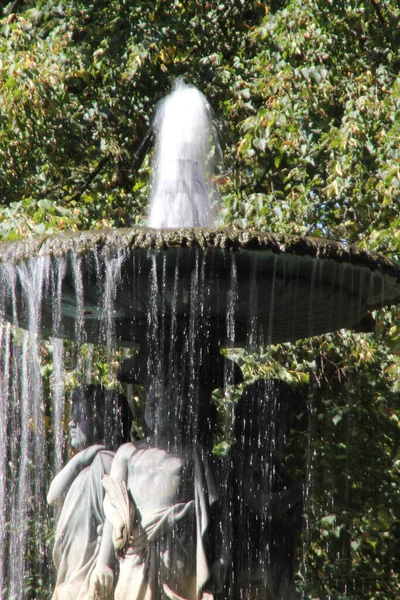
(256, 492)
(119, 472)
(102, 578)
(101, 585)
(223, 533)
(221, 530)
(280, 503)
(63, 480)
(275, 505)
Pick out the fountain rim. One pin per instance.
(228, 239)
(372, 280)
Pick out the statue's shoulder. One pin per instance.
(125, 451)
(102, 463)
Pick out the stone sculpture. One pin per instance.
(267, 502)
(163, 512)
(78, 490)
(159, 508)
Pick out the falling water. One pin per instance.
(32, 436)
(5, 384)
(111, 281)
(58, 390)
(78, 287)
(181, 193)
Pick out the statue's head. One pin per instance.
(264, 413)
(184, 418)
(179, 406)
(99, 416)
(160, 411)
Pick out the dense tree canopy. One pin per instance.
(306, 99)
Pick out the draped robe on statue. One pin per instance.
(79, 530)
(172, 498)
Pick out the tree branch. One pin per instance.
(379, 12)
(91, 176)
(141, 152)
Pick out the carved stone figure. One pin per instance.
(267, 502)
(162, 509)
(78, 490)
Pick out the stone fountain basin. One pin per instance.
(242, 287)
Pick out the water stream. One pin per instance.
(181, 190)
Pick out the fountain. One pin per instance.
(181, 194)
(172, 295)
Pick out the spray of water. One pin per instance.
(181, 194)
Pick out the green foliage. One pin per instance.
(306, 97)
(319, 143)
(354, 454)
